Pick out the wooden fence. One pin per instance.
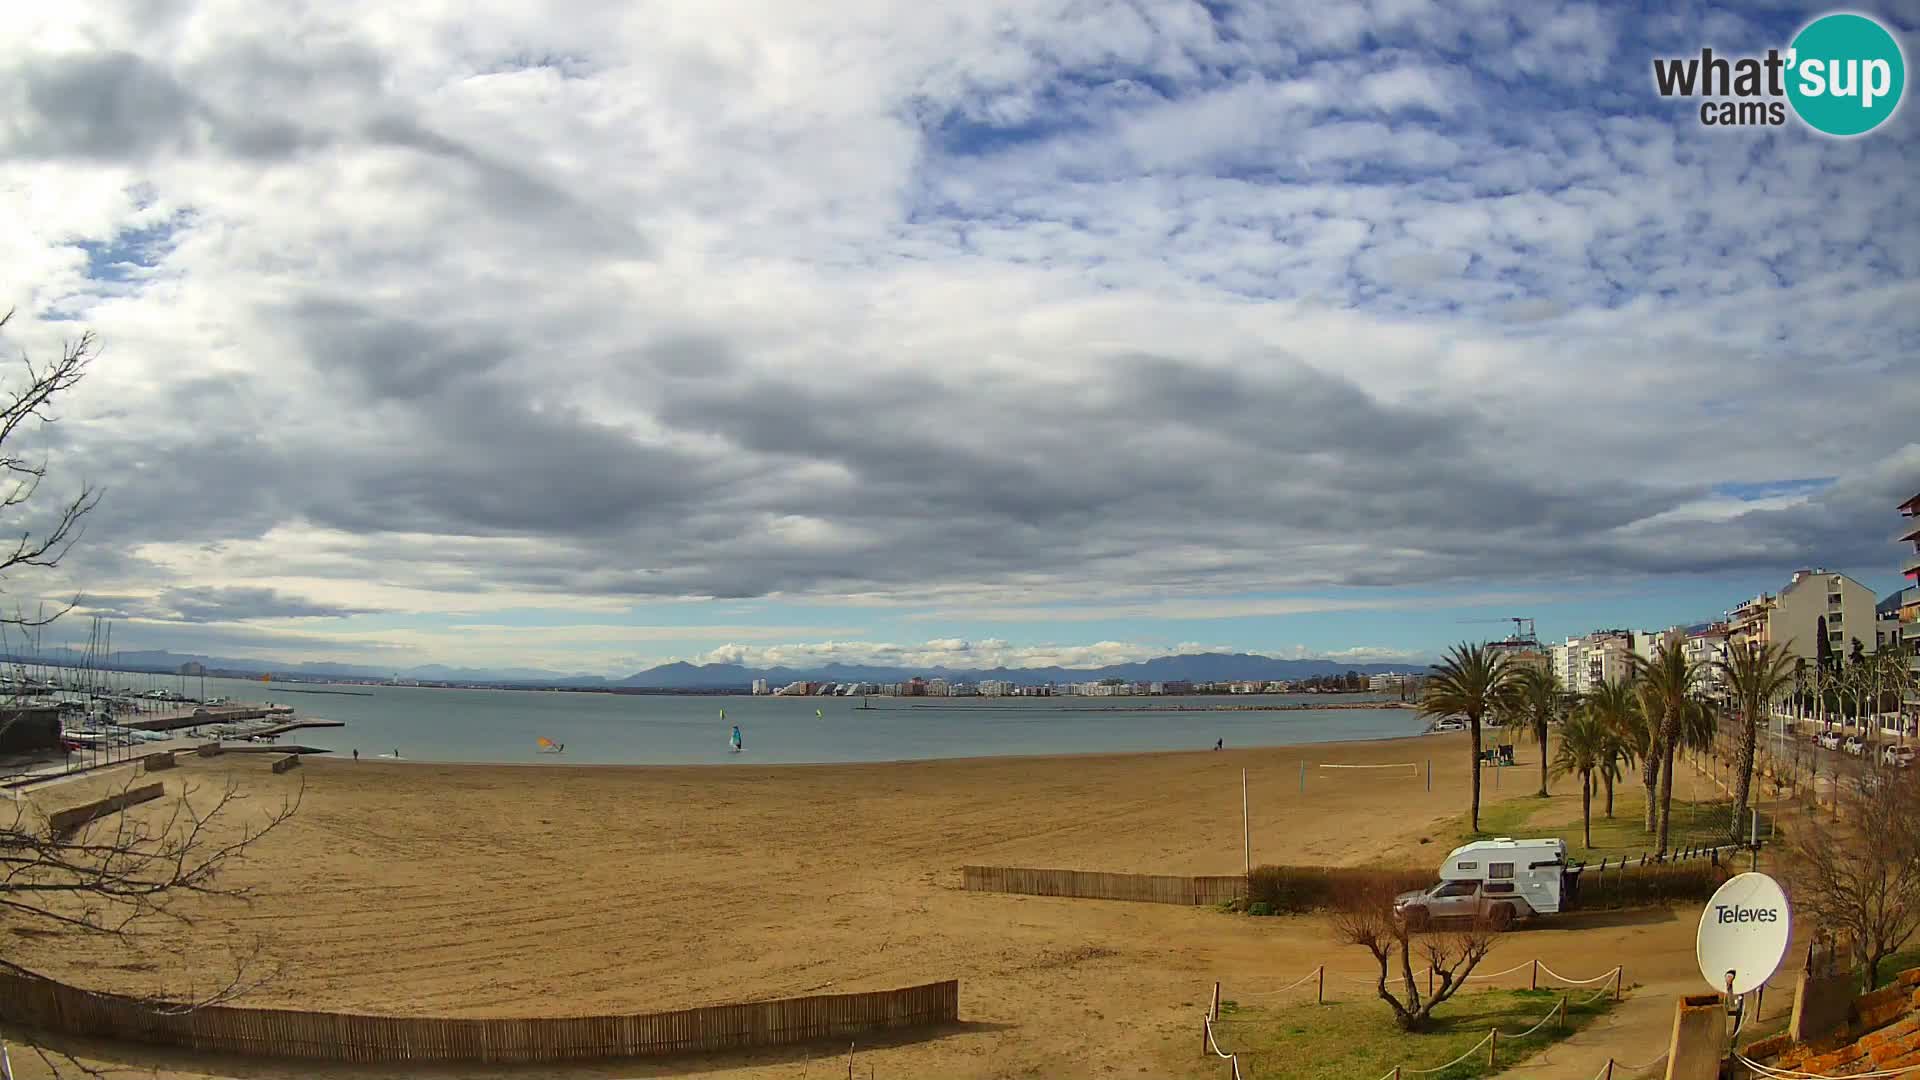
(65, 821)
(51, 1006)
(1092, 885)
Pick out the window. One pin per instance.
(1500, 870)
(1466, 866)
(1457, 888)
(1499, 887)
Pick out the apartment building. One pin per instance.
(1793, 618)
(1909, 610)
(1706, 650)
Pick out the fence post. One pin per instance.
(1619, 976)
(1213, 1011)
(1320, 994)
(1493, 1046)
(1206, 1043)
(1536, 976)
(1563, 1009)
(1609, 1069)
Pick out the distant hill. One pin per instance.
(1193, 667)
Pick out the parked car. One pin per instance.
(1830, 740)
(1900, 757)
(1854, 745)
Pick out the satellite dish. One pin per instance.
(1743, 933)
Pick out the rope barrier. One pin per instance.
(1289, 986)
(1494, 1033)
(1792, 1074)
(1470, 1052)
(1232, 1060)
(1648, 1065)
(1543, 1022)
(1579, 982)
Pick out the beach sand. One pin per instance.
(474, 890)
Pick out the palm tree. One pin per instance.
(1668, 680)
(1756, 677)
(1629, 737)
(1583, 751)
(1476, 682)
(1537, 702)
(1650, 721)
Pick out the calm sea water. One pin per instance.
(502, 725)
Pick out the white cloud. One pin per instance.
(1025, 309)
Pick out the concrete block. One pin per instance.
(1699, 1038)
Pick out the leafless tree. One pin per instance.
(107, 876)
(1860, 876)
(20, 475)
(1364, 916)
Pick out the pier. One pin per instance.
(216, 714)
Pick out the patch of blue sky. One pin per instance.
(1773, 489)
(131, 253)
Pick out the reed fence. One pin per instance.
(346, 1037)
(1094, 885)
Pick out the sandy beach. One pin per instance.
(472, 890)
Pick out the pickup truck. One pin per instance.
(1493, 902)
(1899, 757)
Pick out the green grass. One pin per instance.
(1356, 1036)
(1694, 823)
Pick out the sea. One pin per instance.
(431, 724)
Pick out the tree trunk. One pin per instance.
(1540, 736)
(1474, 723)
(1586, 809)
(1743, 774)
(1609, 780)
(1650, 775)
(1666, 796)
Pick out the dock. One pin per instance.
(218, 714)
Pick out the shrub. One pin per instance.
(1260, 907)
(1292, 890)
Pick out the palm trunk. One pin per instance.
(1650, 775)
(1540, 736)
(1474, 723)
(1609, 780)
(1666, 794)
(1743, 774)
(1586, 809)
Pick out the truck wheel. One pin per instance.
(1417, 918)
(1501, 916)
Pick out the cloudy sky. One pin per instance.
(1030, 331)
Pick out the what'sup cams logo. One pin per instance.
(1843, 75)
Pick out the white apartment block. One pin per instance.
(760, 686)
(1792, 618)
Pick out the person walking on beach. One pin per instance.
(356, 753)
(1219, 744)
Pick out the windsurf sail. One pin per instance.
(548, 746)
(818, 715)
(734, 740)
(723, 714)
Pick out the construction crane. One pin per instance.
(1522, 627)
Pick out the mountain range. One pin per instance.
(1193, 667)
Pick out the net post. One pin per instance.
(1320, 993)
(1535, 984)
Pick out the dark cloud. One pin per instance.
(101, 106)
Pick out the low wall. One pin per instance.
(51, 1006)
(1092, 885)
(291, 761)
(64, 821)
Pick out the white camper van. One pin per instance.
(1502, 880)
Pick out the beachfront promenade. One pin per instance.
(201, 714)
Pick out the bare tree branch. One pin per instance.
(1364, 916)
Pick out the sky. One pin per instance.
(592, 335)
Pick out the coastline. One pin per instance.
(744, 763)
